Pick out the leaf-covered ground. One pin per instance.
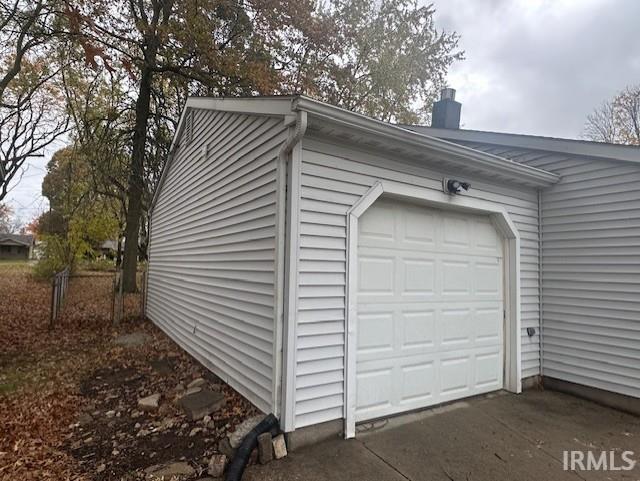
(68, 397)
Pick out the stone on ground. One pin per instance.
(192, 390)
(279, 446)
(265, 448)
(217, 464)
(170, 471)
(236, 437)
(149, 403)
(200, 404)
(132, 340)
(196, 383)
(224, 446)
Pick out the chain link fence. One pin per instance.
(59, 285)
(94, 297)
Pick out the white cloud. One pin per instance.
(540, 66)
(25, 191)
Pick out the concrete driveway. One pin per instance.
(499, 437)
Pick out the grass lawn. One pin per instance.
(15, 263)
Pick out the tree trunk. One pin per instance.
(136, 182)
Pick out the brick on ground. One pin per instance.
(200, 404)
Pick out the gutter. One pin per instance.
(463, 154)
(297, 134)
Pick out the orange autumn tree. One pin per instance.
(382, 58)
(222, 47)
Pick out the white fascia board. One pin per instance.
(586, 148)
(243, 105)
(492, 164)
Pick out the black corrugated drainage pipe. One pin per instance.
(250, 441)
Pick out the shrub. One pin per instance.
(100, 265)
(57, 253)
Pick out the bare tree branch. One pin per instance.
(616, 121)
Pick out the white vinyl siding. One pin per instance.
(212, 249)
(333, 179)
(590, 269)
(591, 276)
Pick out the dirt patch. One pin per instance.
(115, 439)
(68, 398)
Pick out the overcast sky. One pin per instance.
(532, 66)
(540, 66)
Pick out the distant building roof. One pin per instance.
(16, 239)
(109, 244)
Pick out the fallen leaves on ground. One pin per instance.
(68, 397)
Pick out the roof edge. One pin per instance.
(586, 148)
(285, 105)
(24, 240)
(491, 162)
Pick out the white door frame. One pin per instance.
(504, 225)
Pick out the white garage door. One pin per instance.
(430, 308)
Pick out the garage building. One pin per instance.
(316, 260)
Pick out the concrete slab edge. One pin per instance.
(610, 399)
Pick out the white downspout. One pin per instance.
(289, 163)
(540, 350)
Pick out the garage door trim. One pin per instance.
(503, 224)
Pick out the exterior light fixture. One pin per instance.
(453, 186)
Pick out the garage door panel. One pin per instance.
(420, 229)
(414, 276)
(488, 279)
(376, 333)
(488, 325)
(488, 372)
(418, 276)
(375, 228)
(431, 330)
(418, 329)
(396, 330)
(376, 275)
(486, 238)
(456, 278)
(454, 327)
(390, 386)
(455, 370)
(456, 233)
(417, 381)
(375, 387)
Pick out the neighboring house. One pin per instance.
(16, 246)
(108, 249)
(311, 258)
